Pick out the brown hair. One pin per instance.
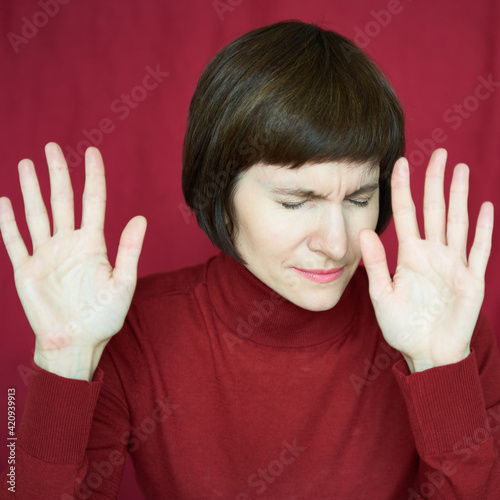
(285, 94)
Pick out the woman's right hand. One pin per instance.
(73, 299)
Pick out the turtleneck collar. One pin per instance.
(252, 310)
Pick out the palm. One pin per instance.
(429, 308)
(72, 270)
(69, 291)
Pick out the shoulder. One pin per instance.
(166, 300)
(160, 285)
(165, 306)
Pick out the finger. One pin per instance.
(434, 203)
(458, 218)
(94, 194)
(481, 248)
(34, 207)
(403, 208)
(13, 241)
(61, 192)
(129, 249)
(375, 261)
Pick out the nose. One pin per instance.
(328, 234)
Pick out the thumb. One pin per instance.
(375, 261)
(129, 249)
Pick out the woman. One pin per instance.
(279, 368)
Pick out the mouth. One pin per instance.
(321, 275)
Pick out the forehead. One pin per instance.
(325, 175)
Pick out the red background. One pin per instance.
(66, 76)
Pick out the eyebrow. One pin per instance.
(311, 195)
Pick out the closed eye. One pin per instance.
(292, 206)
(359, 203)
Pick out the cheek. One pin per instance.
(274, 232)
(366, 217)
(270, 232)
(372, 217)
(360, 219)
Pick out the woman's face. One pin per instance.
(298, 229)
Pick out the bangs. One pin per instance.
(309, 104)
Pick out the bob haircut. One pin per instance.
(286, 94)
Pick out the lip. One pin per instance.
(321, 275)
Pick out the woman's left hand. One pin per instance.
(429, 309)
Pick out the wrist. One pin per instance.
(75, 362)
(422, 364)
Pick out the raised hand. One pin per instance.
(73, 299)
(429, 309)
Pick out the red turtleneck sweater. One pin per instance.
(222, 389)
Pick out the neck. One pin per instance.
(253, 311)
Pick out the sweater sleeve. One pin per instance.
(454, 412)
(73, 437)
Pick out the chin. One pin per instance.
(316, 304)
